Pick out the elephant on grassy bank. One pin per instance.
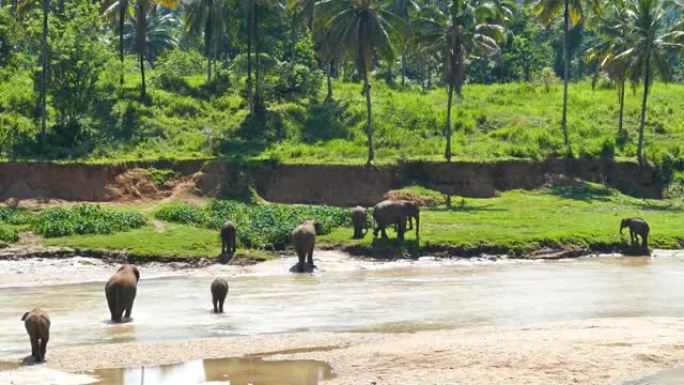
(37, 325)
(219, 290)
(120, 291)
(228, 244)
(637, 228)
(395, 213)
(360, 221)
(304, 240)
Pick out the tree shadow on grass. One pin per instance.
(586, 192)
(255, 134)
(468, 209)
(324, 121)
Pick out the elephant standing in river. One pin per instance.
(228, 243)
(637, 228)
(37, 325)
(120, 291)
(360, 221)
(389, 212)
(219, 290)
(304, 240)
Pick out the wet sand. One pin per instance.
(603, 351)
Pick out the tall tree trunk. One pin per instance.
(566, 74)
(447, 131)
(258, 103)
(622, 105)
(329, 96)
(369, 121)
(293, 36)
(44, 80)
(642, 125)
(250, 33)
(141, 48)
(123, 5)
(403, 66)
(208, 40)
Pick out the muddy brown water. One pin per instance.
(346, 295)
(233, 371)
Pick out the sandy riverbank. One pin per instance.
(603, 351)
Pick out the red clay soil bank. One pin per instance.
(328, 184)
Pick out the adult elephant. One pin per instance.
(304, 240)
(389, 212)
(120, 291)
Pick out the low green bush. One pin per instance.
(85, 219)
(8, 234)
(258, 226)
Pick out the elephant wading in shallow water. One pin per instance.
(227, 242)
(637, 228)
(304, 240)
(359, 220)
(397, 213)
(37, 325)
(120, 291)
(219, 290)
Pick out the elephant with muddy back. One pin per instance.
(121, 290)
(395, 213)
(219, 290)
(304, 240)
(37, 325)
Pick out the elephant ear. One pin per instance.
(23, 318)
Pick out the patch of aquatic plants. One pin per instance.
(85, 219)
(258, 226)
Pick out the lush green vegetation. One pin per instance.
(85, 219)
(258, 226)
(195, 81)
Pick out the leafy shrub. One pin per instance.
(85, 219)
(258, 226)
(8, 234)
(15, 216)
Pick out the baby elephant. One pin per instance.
(120, 291)
(304, 239)
(37, 325)
(359, 221)
(637, 228)
(219, 290)
(228, 238)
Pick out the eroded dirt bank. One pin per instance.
(317, 184)
(603, 351)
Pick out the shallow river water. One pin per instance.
(345, 295)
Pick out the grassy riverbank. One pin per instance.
(517, 222)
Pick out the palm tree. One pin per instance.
(142, 8)
(43, 84)
(466, 27)
(124, 10)
(403, 8)
(613, 31)
(357, 30)
(206, 17)
(650, 40)
(572, 14)
(298, 10)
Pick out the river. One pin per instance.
(345, 295)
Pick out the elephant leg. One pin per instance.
(631, 236)
(35, 349)
(401, 228)
(220, 302)
(43, 348)
(309, 258)
(215, 303)
(301, 255)
(384, 233)
(233, 244)
(129, 309)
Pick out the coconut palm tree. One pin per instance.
(651, 38)
(573, 13)
(298, 11)
(124, 10)
(358, 29)
(465, 27)
(613, 32)
(207, 18)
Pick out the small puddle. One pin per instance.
(666, 377)
(233, 371)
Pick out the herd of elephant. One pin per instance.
(121, 288)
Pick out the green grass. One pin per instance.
(522, 220)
